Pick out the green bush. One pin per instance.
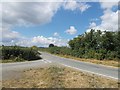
(111, 55)
(54, 50)
(90, 53)
(99, 56)
(19, 53)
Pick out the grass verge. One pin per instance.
(11, 60)
(59, 77)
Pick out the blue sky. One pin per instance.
(57, 23)
(62, 20)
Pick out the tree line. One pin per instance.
(94, 44)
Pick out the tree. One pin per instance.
(51, 45)
(96, 44)
(108, 41)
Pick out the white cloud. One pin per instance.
(109, 19)
(73, 5)
(71, 30)
(56, 34)
(30, 13)
(8, 35)
(83, 7)
(109, 22)
(25, 42)
(92, 25)
(40, 41)
(24, 14)
(45, 41)
(107, 5)
(35, 13)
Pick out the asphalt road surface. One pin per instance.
(84, 66)
(9, 70)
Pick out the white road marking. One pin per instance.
(49, 61)
(42, 60)
(46, 61)
(90, 72)
(85, 62)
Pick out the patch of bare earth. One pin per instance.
(59, 77)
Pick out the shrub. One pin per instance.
(99, 56)
(16, 52)
(90, 53)
(111, 55)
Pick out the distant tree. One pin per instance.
(34, 47)
(51, 45)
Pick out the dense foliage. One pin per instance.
(19, 53)
(93, 44)
(97, 44)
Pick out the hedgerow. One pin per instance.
(94, 44)
(19, 53)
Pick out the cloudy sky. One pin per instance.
(42, 23)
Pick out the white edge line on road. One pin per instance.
(90, 71)
(46, 61)
(86, 62)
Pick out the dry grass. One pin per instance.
(59, 77)
(11, 61)
(113, 63)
